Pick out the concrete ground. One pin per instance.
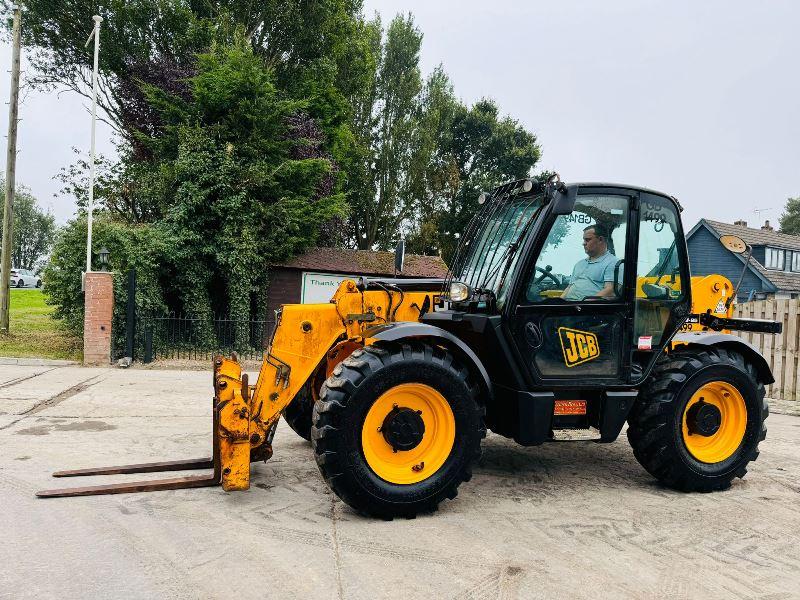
(568, 520)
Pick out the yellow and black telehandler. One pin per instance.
(567, 307)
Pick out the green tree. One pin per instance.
(308, 45)
(243, 179)
(140, 247)
(477, 150)
(790, 219)
(34, 229)
(385, 121)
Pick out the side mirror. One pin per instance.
(399, 256)
(733, 243)
(738, 246)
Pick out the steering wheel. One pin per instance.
(546, 273)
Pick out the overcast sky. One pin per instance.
(696, 99)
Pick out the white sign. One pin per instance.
(319, 288)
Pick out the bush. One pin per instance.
(140, 247)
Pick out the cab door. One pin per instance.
(572, 319)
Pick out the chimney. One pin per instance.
(740, 223)
(767, 227)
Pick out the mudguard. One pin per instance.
(392, 332)
(731, 342)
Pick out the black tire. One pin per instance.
(298, 413)
(20, 283)
(656, 421)
(345, 400)
(38, 283)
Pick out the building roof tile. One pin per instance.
(365, 262)
(757, 237)
(785, 281)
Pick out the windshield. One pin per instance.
(488, 251)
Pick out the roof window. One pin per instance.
(774, 258)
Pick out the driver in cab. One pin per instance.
(593, 275)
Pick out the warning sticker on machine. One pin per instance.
(720, 308)
(570, 407)
(645, 342)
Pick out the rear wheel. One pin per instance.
(699, 419)
(396, 429)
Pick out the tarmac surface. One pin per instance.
(564, 520)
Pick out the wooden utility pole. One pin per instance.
(11, 168)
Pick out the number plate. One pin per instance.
(570, 407)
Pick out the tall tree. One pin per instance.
(386, 118)
(477, 150)
(34, 229)
(245, 181)
(306, 44)
(790, 219)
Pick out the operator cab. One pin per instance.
(589, 281)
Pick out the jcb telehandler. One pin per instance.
(567, 307)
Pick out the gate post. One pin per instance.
(98, 314)
(130, 316)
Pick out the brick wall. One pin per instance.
(99, 305)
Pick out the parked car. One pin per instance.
(23, 277)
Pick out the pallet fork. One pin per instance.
(231, 455)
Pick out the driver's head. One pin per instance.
(595, 240)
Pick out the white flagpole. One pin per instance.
(96, 34)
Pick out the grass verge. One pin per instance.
(33, 331)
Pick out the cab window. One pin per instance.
(658, 279)
(584, 253)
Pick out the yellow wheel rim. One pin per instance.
(732, 422)
(422, 461)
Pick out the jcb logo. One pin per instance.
(578, 346)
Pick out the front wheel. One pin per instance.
(699, 419)
(396, 429)
(298, 412)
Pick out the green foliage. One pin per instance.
(424, 157)
(790, 219)
(242, 180)
(34, 229)
(251, 130)
(140, 247)
(475, 150)
(155, 42)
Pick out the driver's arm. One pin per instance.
(572, 278)
(607, 291)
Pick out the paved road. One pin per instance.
(560, 521)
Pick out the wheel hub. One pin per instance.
(703, 419)
(403, 428)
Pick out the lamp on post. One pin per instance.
(102, 258)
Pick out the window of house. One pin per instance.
(796, 262)
(774, 258)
